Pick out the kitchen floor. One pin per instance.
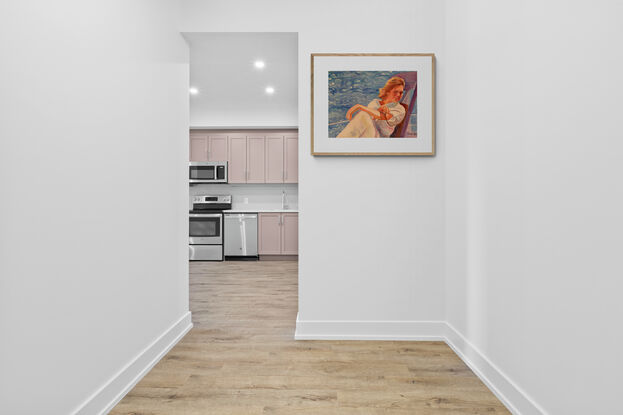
(241, 358)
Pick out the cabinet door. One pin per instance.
(269, 230)
(198, 147)
(237, 167)
(291, 164)
(290, 234)
(255, 159)
(274, 159)
(217, 148)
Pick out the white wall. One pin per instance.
(94, 105)
(533, 196)
(371, 228)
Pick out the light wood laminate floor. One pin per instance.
(241, 358)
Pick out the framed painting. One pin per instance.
(373, 104)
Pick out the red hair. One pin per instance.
(391, 84)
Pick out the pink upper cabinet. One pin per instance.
(274, 159)
(198, 147)
(253, 155)
(291, 164)
(237, 168)
(217, 148)
(255, 159)
(290, 233)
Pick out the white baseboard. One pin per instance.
(512, 396)
(105, 398)
(369, 330)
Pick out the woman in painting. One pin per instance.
(381, 115)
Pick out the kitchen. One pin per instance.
(243, 167)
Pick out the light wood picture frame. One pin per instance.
(373, 104)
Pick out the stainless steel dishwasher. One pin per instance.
(241, 235)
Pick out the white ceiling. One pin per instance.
(231, 89)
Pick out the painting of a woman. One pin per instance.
(380, 117)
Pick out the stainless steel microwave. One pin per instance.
(207, 172)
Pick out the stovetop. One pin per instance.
(210, 203)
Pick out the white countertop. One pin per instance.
(260, 210)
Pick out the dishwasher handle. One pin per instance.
(241, 215)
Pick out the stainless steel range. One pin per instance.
(205, 237)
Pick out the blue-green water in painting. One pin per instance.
(347, 88)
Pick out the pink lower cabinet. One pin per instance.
(269, 234)
(289, 233)
(278, 234)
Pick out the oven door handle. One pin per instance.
(205, 215)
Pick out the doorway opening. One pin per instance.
(243, 182)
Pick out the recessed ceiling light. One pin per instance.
(193, 91)
(259, 64)
(270, 90)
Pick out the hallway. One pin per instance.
(241, 358)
